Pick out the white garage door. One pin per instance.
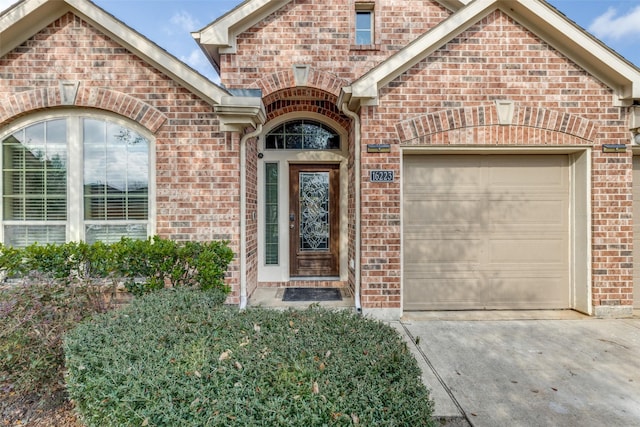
(486, 232)
(636, 232)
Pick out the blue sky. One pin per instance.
(170, 22)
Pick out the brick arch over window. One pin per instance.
(480, 125)
(304, 99)
(285, 79)
(100, 98)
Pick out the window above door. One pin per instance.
(302, 135)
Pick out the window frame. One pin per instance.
(362, 9)
(75, 223)
(302, 121)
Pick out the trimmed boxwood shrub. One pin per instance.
(178, 357)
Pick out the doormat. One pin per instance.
(312, 294)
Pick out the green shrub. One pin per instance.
(35, 315)
(177, 357)
(144, 265)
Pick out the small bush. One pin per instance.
(179, 358)
(35, 316)
(144, 265)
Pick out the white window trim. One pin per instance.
(365, 7)
(75, 223)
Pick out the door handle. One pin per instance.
(292, 220)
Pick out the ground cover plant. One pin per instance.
(178, 357)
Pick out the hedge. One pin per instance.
(143, 265)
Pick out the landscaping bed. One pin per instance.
(177, 357)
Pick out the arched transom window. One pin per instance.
(74, 178)
(302, 135)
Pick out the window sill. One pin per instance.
(364, 47)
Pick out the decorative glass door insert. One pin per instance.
(314, 211)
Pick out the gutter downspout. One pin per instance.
(357, 166)
(243, 214)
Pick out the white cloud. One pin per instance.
(183, 22)
(610, 25)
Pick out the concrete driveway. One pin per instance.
(578, 371)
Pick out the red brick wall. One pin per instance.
(197, 166)
(447, 99)
(322, 33)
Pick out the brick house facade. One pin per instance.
(424, 154)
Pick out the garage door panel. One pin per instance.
(445, 211)
(501, 242)
(459, 291)
(523, 293)
(546, 172)
(482, 290)
(527, 251)
(438, 176)
(538, 213)
(455, 251)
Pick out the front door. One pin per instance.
(314, 220)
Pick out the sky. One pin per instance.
(169, 23)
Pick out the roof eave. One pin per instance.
(20, 22)
(454, 5)
(367, 87)
(237, 113)
(220, 36)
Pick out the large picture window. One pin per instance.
(74, 178)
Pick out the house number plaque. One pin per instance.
(382, 176)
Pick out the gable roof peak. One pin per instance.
(220, 36)
(26, 18)
(538, 17)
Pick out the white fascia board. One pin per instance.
(23, 20)
(577, 45)
(367, 86)
(454, 5)
(149, 51)
(237, 113)
(18, 11)
(223, 32)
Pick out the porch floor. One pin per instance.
(272, 298)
